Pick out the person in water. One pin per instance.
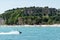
(20, 32)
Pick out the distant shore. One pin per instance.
(55, 25)
(30, 16)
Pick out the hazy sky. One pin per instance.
(9, 4)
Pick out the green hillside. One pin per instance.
(31, 16)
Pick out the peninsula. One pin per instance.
(31, 16)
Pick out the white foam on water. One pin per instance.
(11, 32)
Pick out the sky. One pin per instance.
(10, 4)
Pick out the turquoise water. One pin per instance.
(31, 33)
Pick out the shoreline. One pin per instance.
(54, 25)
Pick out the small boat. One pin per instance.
(11, 32)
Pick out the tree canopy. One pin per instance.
(31, 16)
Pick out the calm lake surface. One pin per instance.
(31, 33)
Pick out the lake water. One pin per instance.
(31, 33)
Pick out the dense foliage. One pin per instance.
(31, 16)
